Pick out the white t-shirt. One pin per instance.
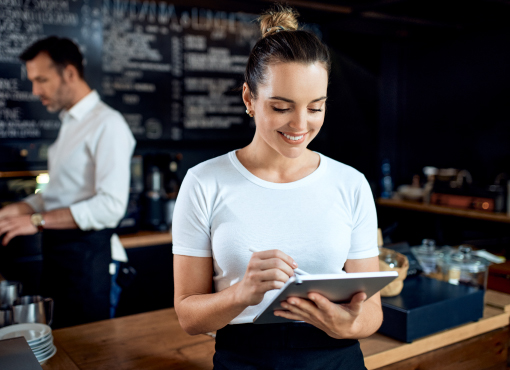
(320, 221)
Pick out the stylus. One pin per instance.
(297, 271)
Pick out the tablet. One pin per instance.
(338, 288)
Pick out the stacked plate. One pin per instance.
(38, 336)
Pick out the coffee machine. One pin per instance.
(161, 188)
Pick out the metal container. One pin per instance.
(5, 315)
(463, 267)
(9, 292)
(34, 308)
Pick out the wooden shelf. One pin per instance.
(145, 239)
(6, 174)
(442, 210)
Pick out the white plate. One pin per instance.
(44, 352)
(44, 343)
(38, 342)
(32, 332)
(47, 357)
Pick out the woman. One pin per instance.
(296, 205)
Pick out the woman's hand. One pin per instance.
(358, 319)
(267, 270)
(337, 320)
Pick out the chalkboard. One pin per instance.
(172, 71)
(22, 22)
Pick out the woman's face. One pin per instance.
(290, 106)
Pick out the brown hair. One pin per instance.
(282, 41)
(62, 52)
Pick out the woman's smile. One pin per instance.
(293, 138)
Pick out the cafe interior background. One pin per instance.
(414, 84)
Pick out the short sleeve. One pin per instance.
(191, 231)
(364, 231)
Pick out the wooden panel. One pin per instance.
(487, 351)
(145, 238)
(447, 211)
(152, 340)
(61, 361)
(21, 173)
(380, 350)
(498, 300)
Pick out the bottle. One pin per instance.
(386, 182)
(172, 188)
(154, 201)
(431, 173)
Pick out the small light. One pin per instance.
(23, 153)
(485, 205)
(43, 178)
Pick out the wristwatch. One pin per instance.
(38, 221)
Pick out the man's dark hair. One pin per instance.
(62, 51)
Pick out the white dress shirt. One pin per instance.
(89, 168)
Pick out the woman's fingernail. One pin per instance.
(294, 263)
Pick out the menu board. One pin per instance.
(23, 22)
(172, 71)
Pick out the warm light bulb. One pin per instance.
(43, 178)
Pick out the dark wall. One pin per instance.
(447, 105)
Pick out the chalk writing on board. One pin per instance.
(23, 22)
(173, 69)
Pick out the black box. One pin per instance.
(426, 306)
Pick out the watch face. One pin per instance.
(37, 219)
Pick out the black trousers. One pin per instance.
(76, 275)
(284, 346)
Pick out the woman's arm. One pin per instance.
(358, 319)
(200, 311)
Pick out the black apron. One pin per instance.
(76, 275)
(284, 346)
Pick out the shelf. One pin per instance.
(145, 239)
(7, 174)
(442, 210)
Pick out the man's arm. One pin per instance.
(112, 159)
(16, 209)
(21, 225)
(59, 219)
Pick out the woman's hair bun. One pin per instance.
(278, 18)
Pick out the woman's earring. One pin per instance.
(249, 113)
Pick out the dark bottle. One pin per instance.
(172, 187)
(155, 201)
(386, 181)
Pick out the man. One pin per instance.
(89, 168)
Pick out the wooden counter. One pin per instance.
(154, 340)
